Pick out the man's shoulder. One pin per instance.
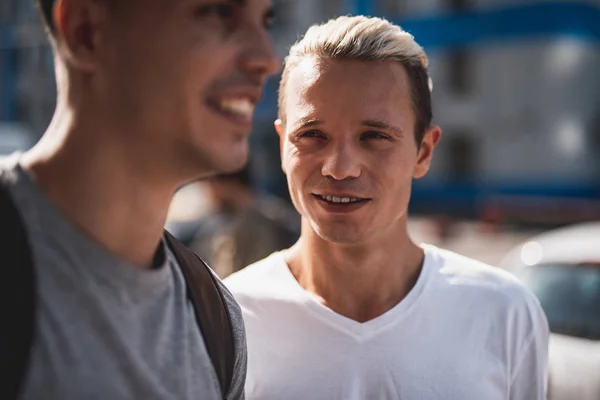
(8, 168)
(463, 270)
(256, 278)
(470, 277)
(18, 183)
(238, 332)
(235, 313)
(233, 308)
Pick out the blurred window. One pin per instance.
(462, 154)
(569, 295)
(460, 74)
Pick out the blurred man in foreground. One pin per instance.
(355, 309)
(151, 95)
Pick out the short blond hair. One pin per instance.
(365, 39)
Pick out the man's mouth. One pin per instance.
(340, 199)
(239, 110)
(239, 107)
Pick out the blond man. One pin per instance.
(356, 309)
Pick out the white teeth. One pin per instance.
(242, 107)
(335, 199)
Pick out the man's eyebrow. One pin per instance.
(304, 123)
(269, 13)
(382, 125)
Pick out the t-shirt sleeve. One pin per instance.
(236, 389)
(529, 378)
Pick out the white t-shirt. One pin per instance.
(466, 331)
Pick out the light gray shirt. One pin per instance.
(106, 330)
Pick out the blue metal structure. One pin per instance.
(521, 22)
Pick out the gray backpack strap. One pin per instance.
(211, 311)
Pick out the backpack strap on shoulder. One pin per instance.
(17, 299)
(211, 311)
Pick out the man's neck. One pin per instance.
(99, 190)
(361, 281)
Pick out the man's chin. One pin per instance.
(233, 162)
(202, 166)
(339, 234)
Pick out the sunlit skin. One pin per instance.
(349, 133)
(145, 95)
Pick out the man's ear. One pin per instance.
(78, 31)
(280, 129)
(430, 140)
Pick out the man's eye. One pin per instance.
(268, 20)
(373, 135)
(313, 134)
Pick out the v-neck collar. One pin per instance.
(361, 331)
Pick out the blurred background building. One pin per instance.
(516, 89)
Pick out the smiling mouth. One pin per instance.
(240, 110)
(340, 200)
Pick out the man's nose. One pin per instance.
(259, 57)
(341, 163)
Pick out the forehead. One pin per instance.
(361, 89)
